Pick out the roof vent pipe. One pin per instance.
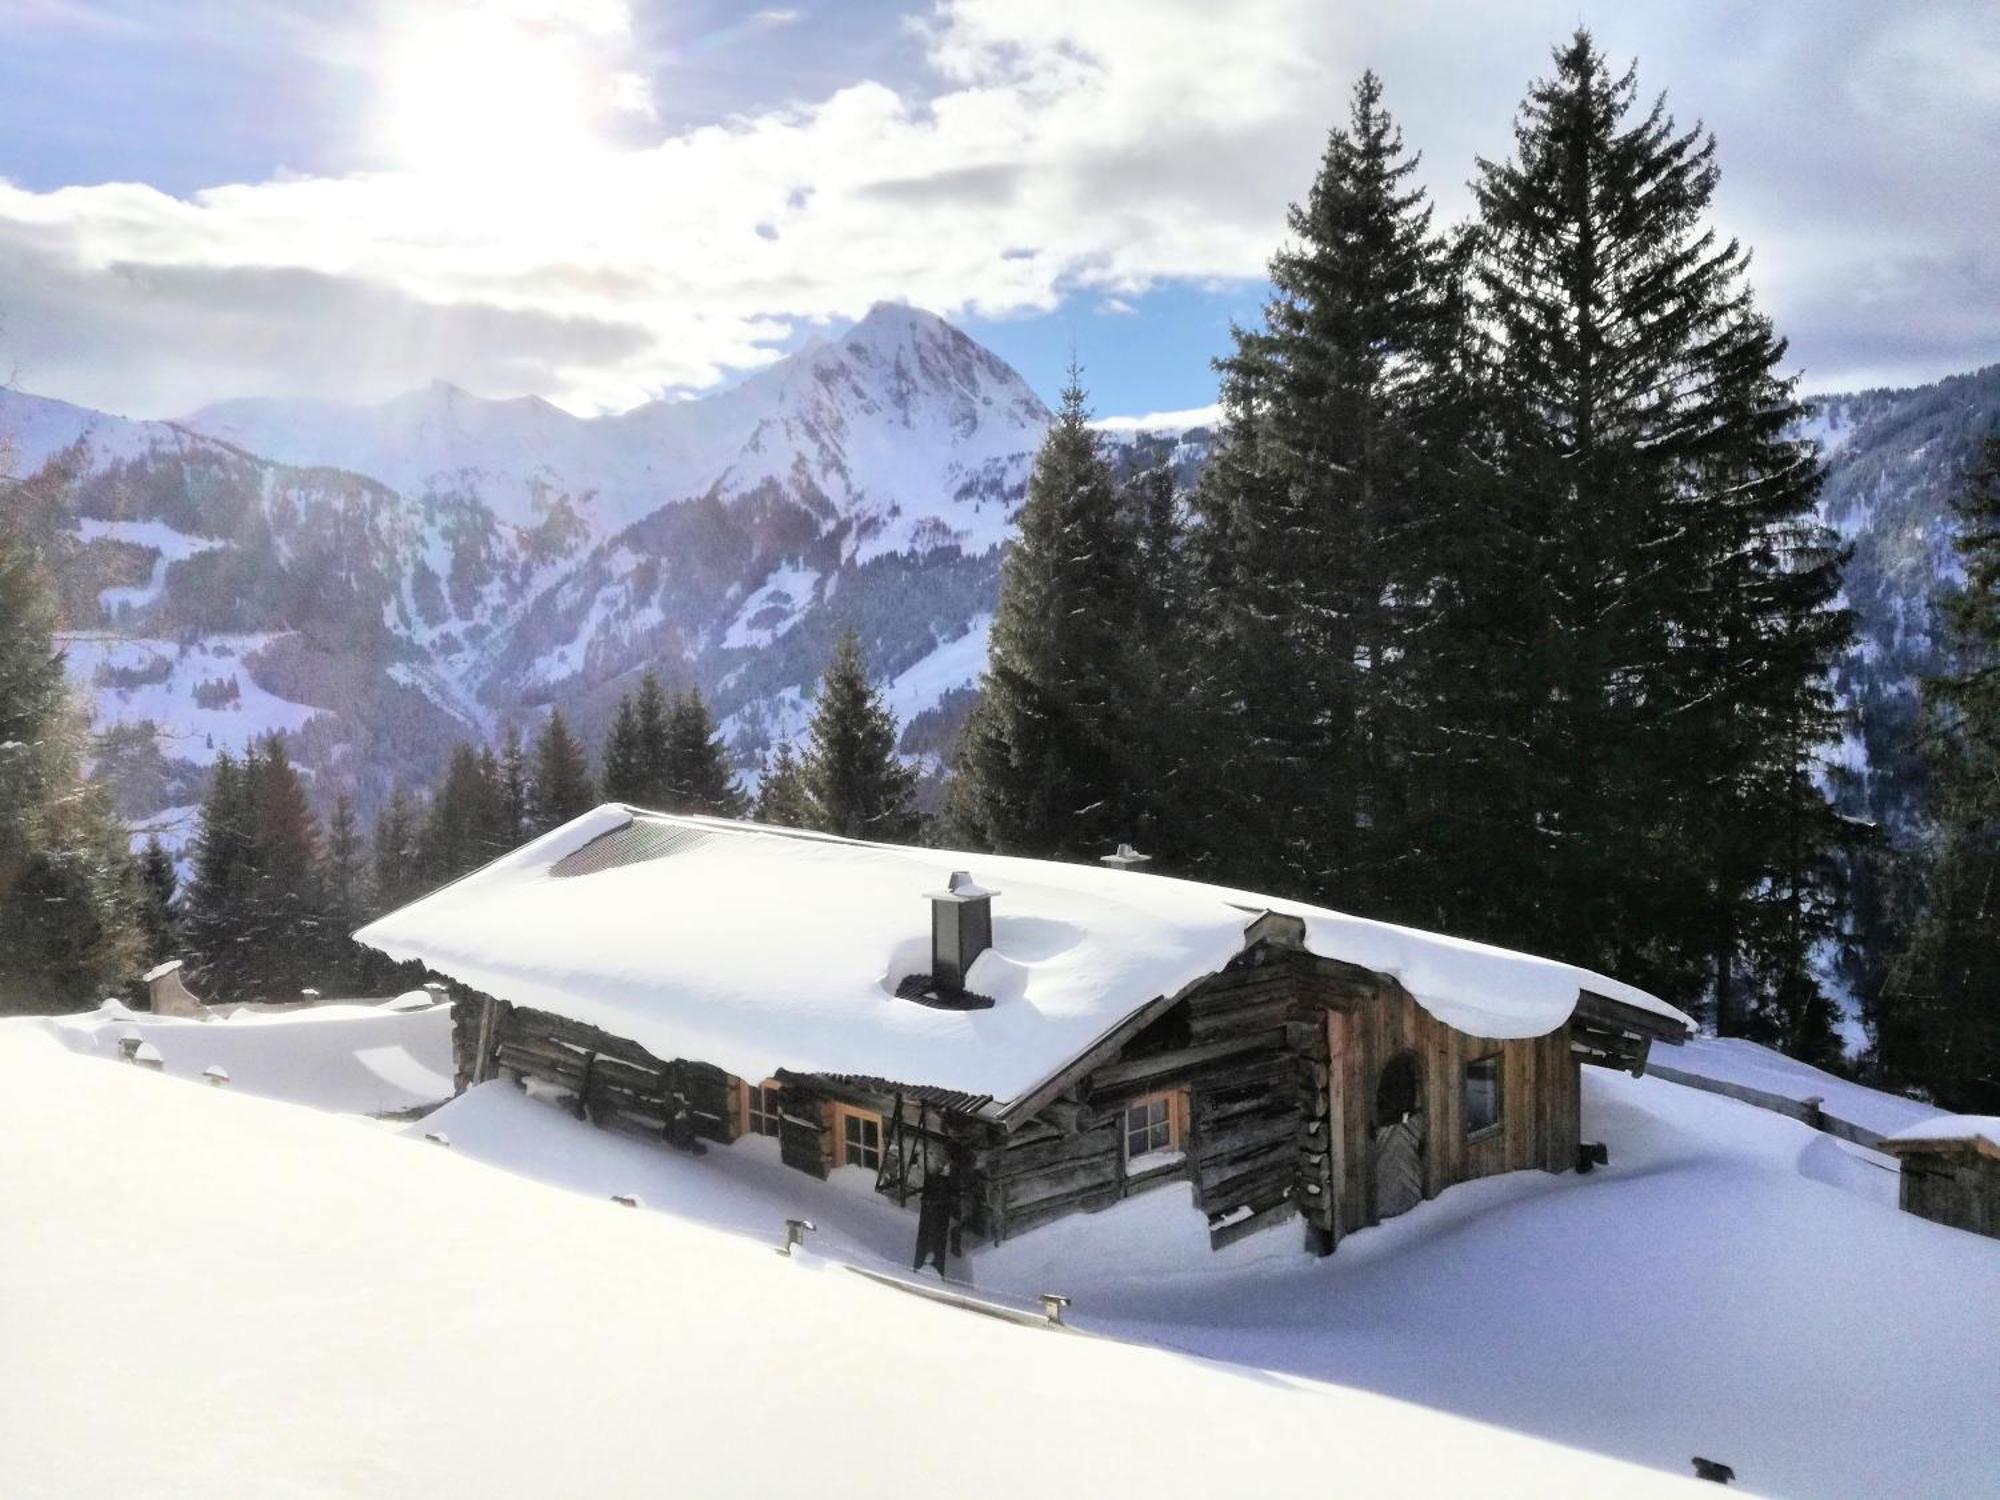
(961, 929)
(1125, 859)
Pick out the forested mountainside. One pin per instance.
(380, 581)
(1895, 459)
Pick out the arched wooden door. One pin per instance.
(1397, 1150)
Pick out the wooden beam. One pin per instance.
(1181, 1060)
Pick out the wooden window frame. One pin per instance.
(1175, 1150)
(764, 1105)
(1499, 1121)
(842, 1113)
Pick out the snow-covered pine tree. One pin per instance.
(1647, 624)
(1045, 763)
(781, 793)
(1308, 543)
(695, 775)
(1938, 1025)
(560, 788)
(854, 783)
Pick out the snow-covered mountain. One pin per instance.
(904, 427)
(379, 581)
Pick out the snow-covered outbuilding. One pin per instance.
(1951, 1170)
(1061, 1035)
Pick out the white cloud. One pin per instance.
(1058, 147)
(1163, 421)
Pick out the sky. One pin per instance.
(604, 202)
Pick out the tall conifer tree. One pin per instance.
(694, 774)
(854, 783)
(560, 787)
(1046, 762)
(1308, 535)
(1647, 624)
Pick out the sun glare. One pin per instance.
(473, 94)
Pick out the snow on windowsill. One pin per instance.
(1154, 1161)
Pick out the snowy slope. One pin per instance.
(223, 1295)
(1732, 1284)
(353, 1059)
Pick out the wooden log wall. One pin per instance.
(1956, 1187)
(615, 1082)
(1538, 1124)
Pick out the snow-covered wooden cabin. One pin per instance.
(1064, 1035)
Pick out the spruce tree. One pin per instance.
(625, 772)
(461, 827)
(694, 768)
(1940, 1026)
(854, 782)
(1045, 764)
(1307, 546)
(397, 869)
(344, 876)
(1646, 625)
(511, 818)
(217, 925)
(69, 921)
(560, 786)
(158, 883)
(782, 800)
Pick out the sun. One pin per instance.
(472, 93)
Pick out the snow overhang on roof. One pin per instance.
(758, 948)
(1980, 1133)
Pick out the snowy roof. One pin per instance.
(1981, 1131)
(757, 948)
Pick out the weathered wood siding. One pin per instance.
(1956, 1187)
(615, 1082)
(1280, 1057)
(1366, 1026)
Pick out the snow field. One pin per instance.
(352, 1059)
(220, 1295)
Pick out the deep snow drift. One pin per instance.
(352, 1059)
(208, 1294)
(1733, 1285)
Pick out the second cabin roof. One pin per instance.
(759, 948)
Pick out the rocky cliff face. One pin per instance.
(380, 581)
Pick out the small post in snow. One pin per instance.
(1126, 858)
(146, 1055)
(1708, 1468)
(628, 1200)
(438, 1138)
(795, 1234)
(217, 1075)
(1053, 1304)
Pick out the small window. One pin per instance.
(1482, 1094)
(762, 1103)
(861, 1141)
(1152, 1130)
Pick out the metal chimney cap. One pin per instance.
(1125, 858)
(962, 887)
